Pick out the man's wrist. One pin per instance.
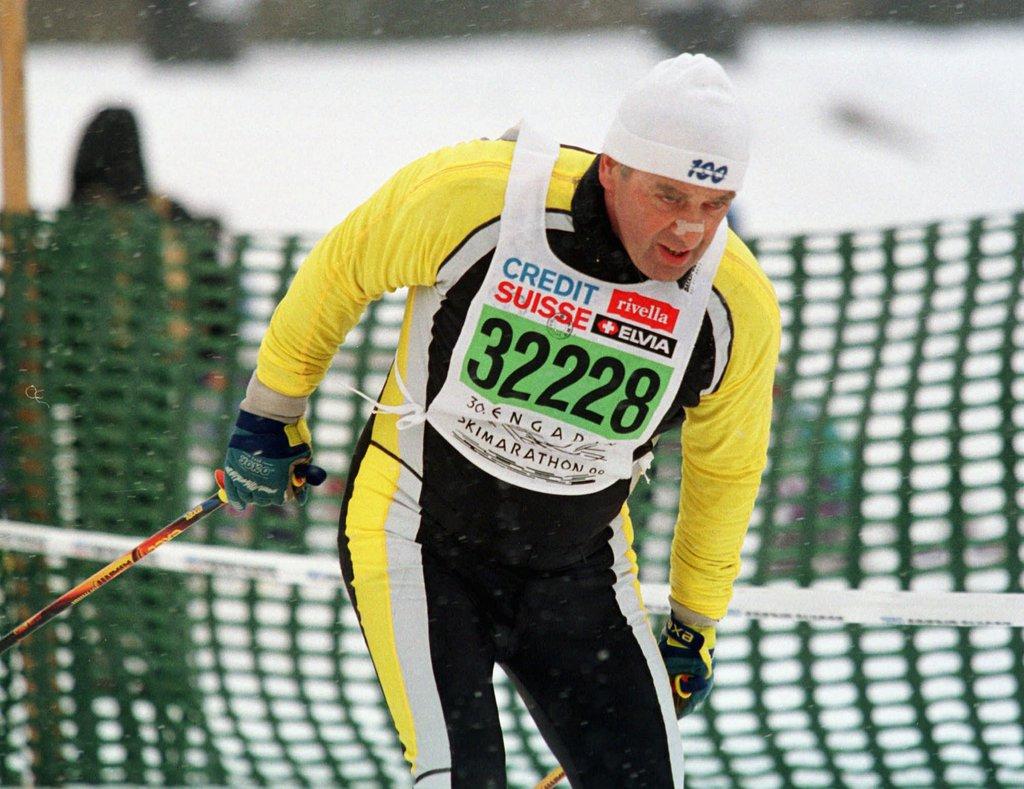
(263, 401)
(690, 617)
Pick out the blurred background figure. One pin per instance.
(109, 171)
(109, 168)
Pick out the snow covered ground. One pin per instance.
(856, 125)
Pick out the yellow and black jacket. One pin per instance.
(432, 228)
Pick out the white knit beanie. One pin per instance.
(683, 121)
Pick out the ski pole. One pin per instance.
(553, 778)
(314, 474)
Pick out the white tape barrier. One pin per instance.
(870, 606)
(818, 604)
(184, 557)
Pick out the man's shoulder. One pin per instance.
(742, 282)
(470, 179)
(479, 163)
(449, 191)
(485, 165)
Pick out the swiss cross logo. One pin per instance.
(607, 327)
(645, 310)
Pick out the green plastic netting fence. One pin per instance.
(896, 463)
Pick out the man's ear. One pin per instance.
(606, 169)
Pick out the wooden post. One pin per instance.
(24, 576)
(12, 70)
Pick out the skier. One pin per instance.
(564, 309)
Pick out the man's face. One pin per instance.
(665, 225)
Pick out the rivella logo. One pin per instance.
(645, 310)
(702, 170)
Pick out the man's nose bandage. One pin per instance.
(683, 227)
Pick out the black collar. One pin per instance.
(597, 245)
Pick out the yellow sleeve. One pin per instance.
(398, 238)
(725, 443)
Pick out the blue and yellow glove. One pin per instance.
(267, 461)
(689, 655)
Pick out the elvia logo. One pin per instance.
(704, 170)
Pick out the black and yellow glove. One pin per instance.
(689, 655)
(267, 461)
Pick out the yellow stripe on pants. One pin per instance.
(367, 543)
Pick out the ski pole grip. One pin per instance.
(314, 475)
